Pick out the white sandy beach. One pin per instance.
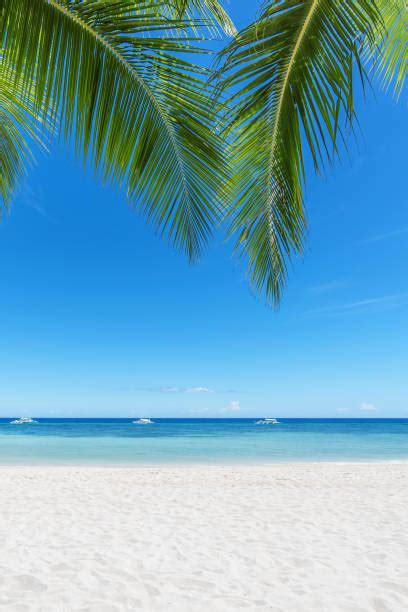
(311, 537)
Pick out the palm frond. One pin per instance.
(289, 76)
(391, 51)
(116, 73)
(209, 10)
(20, 130)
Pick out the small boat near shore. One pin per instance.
(23, 421)
(267, 421)
(143, 421)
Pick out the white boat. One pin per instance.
(268, 421)
(23, 421)
(143, 422)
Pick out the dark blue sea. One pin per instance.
(211, 441)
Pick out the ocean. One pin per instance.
(210, 441)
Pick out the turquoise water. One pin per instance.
(213, 441)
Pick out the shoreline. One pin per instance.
(192, 465)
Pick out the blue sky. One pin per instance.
(99, 317)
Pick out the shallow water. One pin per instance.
(213, 441)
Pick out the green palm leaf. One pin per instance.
(20, 129)
(289, 76)
(392, 44)
(116, 74)
(210, 10)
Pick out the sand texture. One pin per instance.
(311, 537)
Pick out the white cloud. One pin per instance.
(365, 407)
(233, 406)
(199, 390)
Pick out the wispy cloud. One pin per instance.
(180, 389)
(34, 199)
(167, 389)
(177, 389)
(385, 236)
(388, 301)
(233, 406)
(366, 407)
(363, 407)
(199, 390)
(328, 287)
